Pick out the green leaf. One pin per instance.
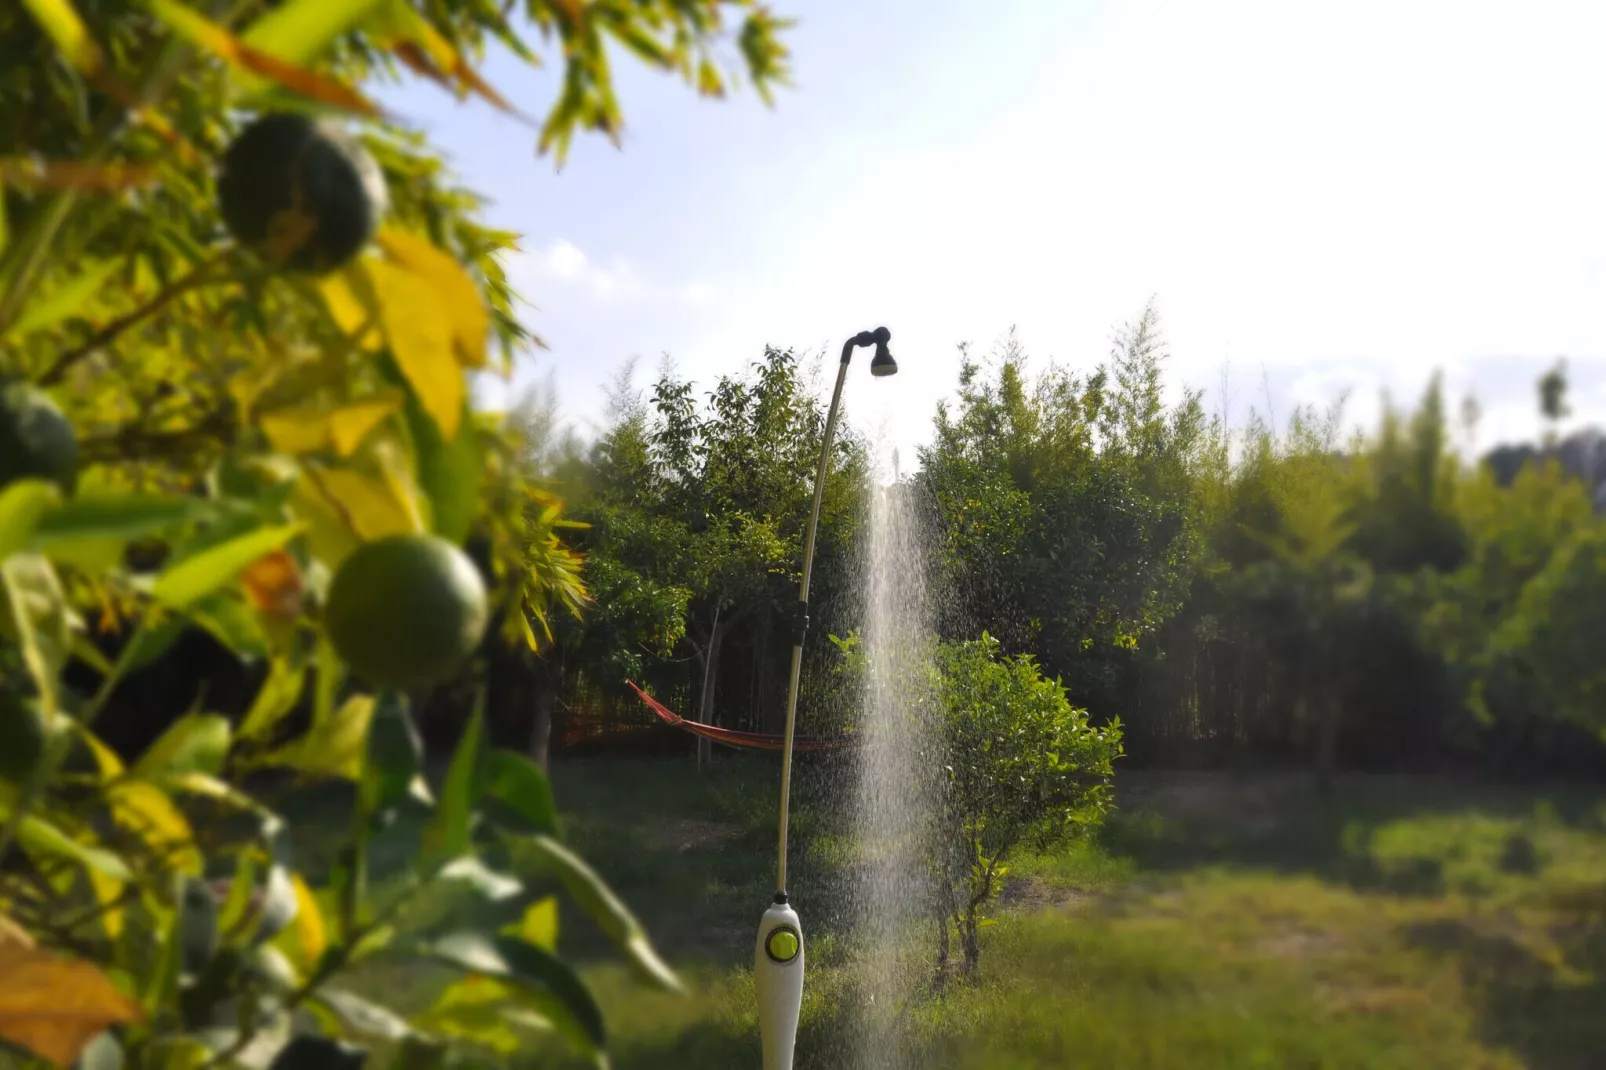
(91, 532)
(65, 301)
(598, 900)
(193, 579)
(231, 622)
(450, 473)
(41, 839)
(448, 833)
(58, 19)
(197, 927)
(300, 31)
(519, 785)
(318, 1053)
(279, 694)
(156, 634)
(23, 505)
(479, 1010)
(39, 618)
(557, 990)
(393, 764)
(362, 1016)
(496, 887)
(195, 743)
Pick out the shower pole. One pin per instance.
(778, 961)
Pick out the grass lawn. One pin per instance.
(1217, 922)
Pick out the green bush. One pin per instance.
(1024, 767)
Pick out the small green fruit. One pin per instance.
(302, 193)
(36, 440)
(406, 611)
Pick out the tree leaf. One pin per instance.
(306, 939)
(195, 743)
(363, 1016)
(54, 1006)
(198, 934)
(23, 506)
(59, 19)
(349, 296)
(598, 900)
(278, 696)
(353, 422)
(559, 992)
(539, 926)
(449, 473)
(392, 768)
(332, 747)
(474, 1009)
(252, 60)
(64, 301)
(113, 518)
(145, 810)
(318, 1053)
(470, 319)
(493, 886)
(39, 618)
(448, 833)
(41, 839)
(196, 577)
(301, 30)
(523, 789)
(419, 330)
(370, 505)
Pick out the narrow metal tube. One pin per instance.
(803, 597)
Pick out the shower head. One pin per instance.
(882, 364)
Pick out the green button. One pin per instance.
(783, 945)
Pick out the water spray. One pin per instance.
(778, 961)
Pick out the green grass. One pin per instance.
(1215, 923)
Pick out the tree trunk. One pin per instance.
(710, 658)
(548, 679)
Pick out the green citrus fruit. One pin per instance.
(22, 737)
(36, 440)
(301, 192)
(406, 611)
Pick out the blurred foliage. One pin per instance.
(232, 428)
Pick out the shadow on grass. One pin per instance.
(1284, 825)
(1549, 1008)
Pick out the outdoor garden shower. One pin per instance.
(778, 961)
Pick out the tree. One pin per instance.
(223, 394)
(1553, 398)
(1062, 505)
(1024, 766)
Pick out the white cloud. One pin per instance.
(565, 263)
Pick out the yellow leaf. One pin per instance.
(350, 424)
(373, 505)
(420, 332)
(297, 429)
(330, 535)
(145, 810)
(66, 29)
(54, 1006)
(471, 322)
(539, 925)
(108, 891)
(307, 939)
(12, 934)
(348, 293)
(106, 759)
(334, 747)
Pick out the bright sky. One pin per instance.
(1321, 196)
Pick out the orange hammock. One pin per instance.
(731, 737)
